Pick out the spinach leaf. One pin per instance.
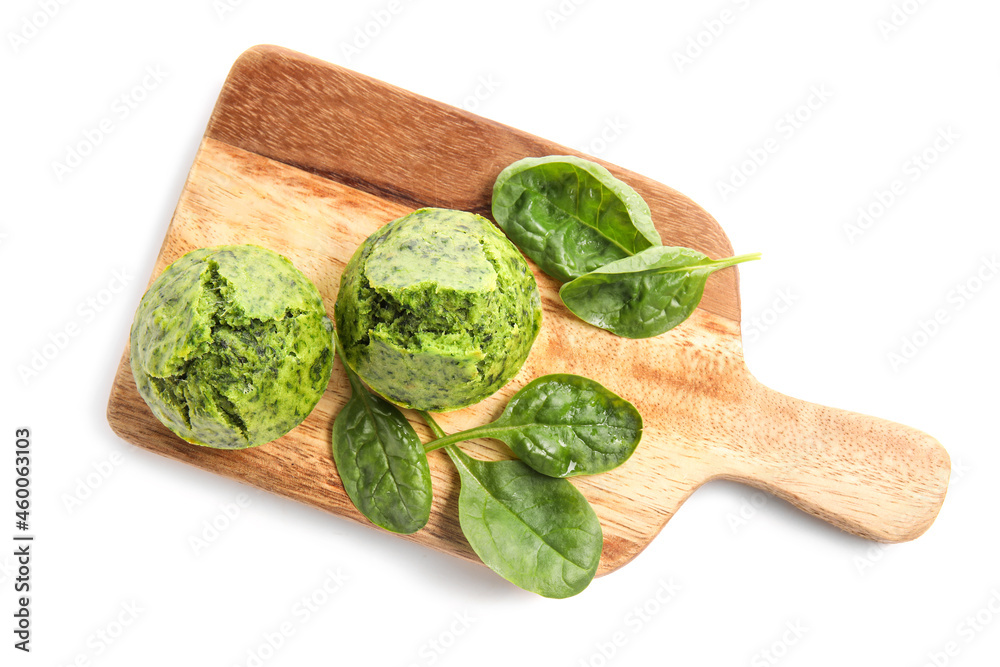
(644, 295)
(571, 215)
(381, 461)
(563, 425)
(537, 532)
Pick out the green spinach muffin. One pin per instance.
(437, 310)
(231, 346)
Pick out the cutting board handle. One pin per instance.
(866, 475)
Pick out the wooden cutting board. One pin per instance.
(308, 159)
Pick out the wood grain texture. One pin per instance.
(309, 159)
(375, 137)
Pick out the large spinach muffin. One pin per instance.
(437, 310)
(231, 346)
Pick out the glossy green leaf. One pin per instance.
(570, 215)
(563, 425)
(381, 461)
(537, 532)
(644, 295)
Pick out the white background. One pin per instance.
(744, 570)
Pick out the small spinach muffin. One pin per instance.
(231, 346)
(437, 310)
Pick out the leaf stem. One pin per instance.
(439, 433)
(484, 431)
(431, 424)
(445, 440)
(732, 261)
